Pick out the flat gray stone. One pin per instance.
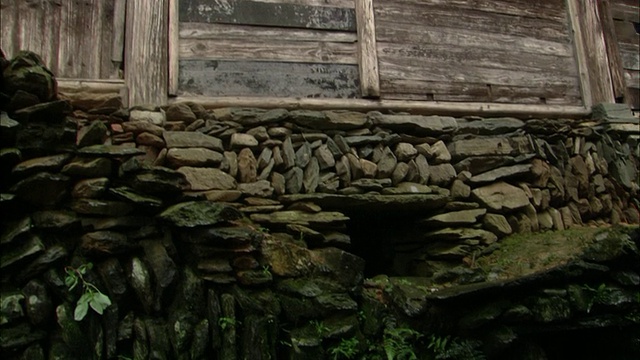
(110, 150)
(196, 157)
(188, 139)
(199, 213)
(432, 125)
(489, 126)
(464, 217)
(207, 178)
(51, 163)
(497, 224)
(461, 149)
(239, 141)
(502, 172)
(501, 196)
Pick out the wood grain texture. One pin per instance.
(146, 58)
(250, 12)
(367, 50)
(613, 51)
(119, 18)
(286, 51)
(524, 111)
(597, 61)
(446, 16)
(349, 4)
(394, 32)
(9, 38)
(243, 32)
(51, 34)
(575, 24)
(174, 47)
(625, 10)
(252, 78)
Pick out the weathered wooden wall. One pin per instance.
(77, 39)
(282, 48)
(626, 17)
(515, 51)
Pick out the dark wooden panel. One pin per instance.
(394, 32)
(465, 56)
(248, 12)
(625, 10)
(626, 32)
(252, 78)
(244, 32)
(446, 16)
(271, 50)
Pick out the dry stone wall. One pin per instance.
(226, 231)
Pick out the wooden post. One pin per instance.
(367, 50)
(146, 51)
(174, 46)
(613, 51)
(591, 51)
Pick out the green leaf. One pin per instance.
(71, 281)
(82, 307)
(99, 302)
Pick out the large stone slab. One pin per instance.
(187, 139)
(196, 157)
(431, 125)
(501, 197)
(502, 172)
(480, 147)
(491, 126)
(464, 217)
(372, 202)
(207, 178)
(199, 213)
(322, 218)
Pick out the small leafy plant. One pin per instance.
(91, 296)
(445, 347)
(319, 327)
(346, 349)
(226, 322)
(597, 295)
(397, 343)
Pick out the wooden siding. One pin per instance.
(625, 13)
(511, 51)
(299, 48)
(76, 39)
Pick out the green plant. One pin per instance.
(319, 327)
(91, 296)
(226, 322)
(597, 295)
(445, 347)
(346, 349)
(266, 270)
(397, 343)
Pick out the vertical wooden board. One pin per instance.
(108, 70)
(253, 78)
(598, 63)
(10, 36)
(573, 7)
(146, 55)
(367, 50)
(71, 32)
(613, 51)
(51, 34)
(92, 38)
(31, 20)
(119, 13)
(174, 47)
(249, 12)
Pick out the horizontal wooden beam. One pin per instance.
(415, 107)
(90, 85)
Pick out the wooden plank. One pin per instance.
(250, 12)
(432, 90)
(92, 45)
(275, 50)
(349, 4)
(69, 42)
(90, 85)
(533, 9)
(627, 12)
(394, 32)
(30, 24)
(51, 34)
(367, 50)
(174, 47)
(613, 51)
(414, 107)
(598, 64)
(146, 58)
(630, 57)
(108, 69)
(10, 36)
(626, 33)
(632, 78)
(407, 69)
(450, 55)
(252, 78)
(117, 47)
(443, 16)
(243, 32)
(581, 52)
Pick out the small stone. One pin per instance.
(180, 112)
(303, 155)
(195, 157)
(150, 139)
(354, 165)
(288, 154)
(101, 207)
(264, 158)
(247, 166)
(423, 172)
(294, 180)
(207, 178)
(438, 153)
(501, 197)
(311, 176)
(343, 170)
(152, 117)
(93, 134)
(185, 139)
(387, 163)
(142, 127)
(90, 188)
(239, 140)
(460, 190)
(278, 182)
(88, 168)
(260, 188)
(231, 159)
(497, 224)
(399, 173)
(325, 157)
(441, 175)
